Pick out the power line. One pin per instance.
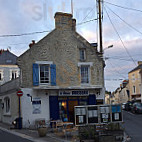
(86, 21)
(125, 21)
(128, 8)
(120, 37)
(13, 35)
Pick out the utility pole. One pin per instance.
(100, 26)
(72, 7)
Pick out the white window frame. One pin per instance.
(48, 73)
(89, 78)
(44, 63)
(16, 73)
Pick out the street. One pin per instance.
(133, 125)
(8, 137)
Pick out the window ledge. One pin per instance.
(7, 114)
(85, 63)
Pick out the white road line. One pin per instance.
(130, 113)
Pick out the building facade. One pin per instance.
(135, 83)
(59, 72)
(8, 67)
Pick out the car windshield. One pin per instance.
(140, 105)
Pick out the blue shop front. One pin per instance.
(62, 105)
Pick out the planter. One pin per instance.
(42, 131)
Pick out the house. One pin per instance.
(141, 83)
(8, 68)
(59, 72)
(135, 83)
(121, 94)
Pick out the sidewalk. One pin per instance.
(33, 135)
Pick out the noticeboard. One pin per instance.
(97, 114)
(80, 115)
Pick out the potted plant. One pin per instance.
(42, 129)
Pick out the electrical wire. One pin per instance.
(13, 35)
(125, 21)
(128, 8)
(120, 37)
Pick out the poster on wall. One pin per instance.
(92, 114)
(36, 105)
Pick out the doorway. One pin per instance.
(71, 104)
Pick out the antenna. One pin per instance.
(72, 7)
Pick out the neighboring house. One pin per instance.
(135, 82)
(122, 95)
(141, 84)
(109, 98)
(59, 72)
(8, 68)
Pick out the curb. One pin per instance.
(21, 135)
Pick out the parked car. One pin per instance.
(136, 107)
(128, 106)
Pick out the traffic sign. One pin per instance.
(19, 93)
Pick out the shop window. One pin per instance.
(14, 74)
(7, 104)
(85, 74)
(63, 110)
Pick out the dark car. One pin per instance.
(137, 107)
(128, 106)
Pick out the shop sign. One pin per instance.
(74, 93)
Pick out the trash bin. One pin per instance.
(17, 123)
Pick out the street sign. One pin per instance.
(19, 93)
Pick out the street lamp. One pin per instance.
(110, 46)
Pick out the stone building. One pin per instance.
(135, 83)
(59, 72)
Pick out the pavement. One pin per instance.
(33, 136)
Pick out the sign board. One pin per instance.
(74, 93)
(97, 114)
(80, 115)
(19, 93)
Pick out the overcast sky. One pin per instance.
(122, 28)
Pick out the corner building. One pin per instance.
(59, 72)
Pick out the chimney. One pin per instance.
(139, 62)
(64, 21)
(31, 44)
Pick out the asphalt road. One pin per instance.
(8, 137)
(133, 126)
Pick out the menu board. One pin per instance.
(93, 114)
(80, 115)
(116, 113)
(105, 114)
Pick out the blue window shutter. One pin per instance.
(92, 100)
(35, 75)
(53, 74)
(54, 107)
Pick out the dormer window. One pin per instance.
(82, 55)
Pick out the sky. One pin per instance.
(121, 28)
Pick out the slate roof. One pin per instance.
(137, 68)
(7, 58)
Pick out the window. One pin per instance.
(7, 104)
(1, 75)
(82, 54)
(44, 73)
(134, 89)
(14, 74)
(84, 74)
